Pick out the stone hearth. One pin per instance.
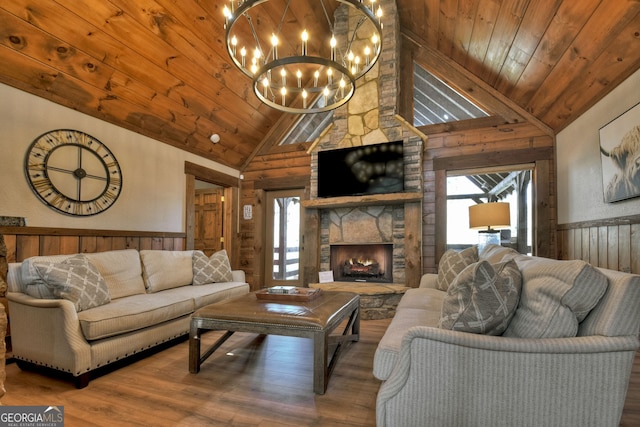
(377, 300)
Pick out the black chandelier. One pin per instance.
(303, 81)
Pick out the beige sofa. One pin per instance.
(559, 362)
(79, 313)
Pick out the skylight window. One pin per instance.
(435, 102)
(309, 126)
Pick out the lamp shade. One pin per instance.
(489, 215)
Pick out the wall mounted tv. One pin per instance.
(366, 169)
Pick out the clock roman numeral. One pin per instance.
(41, 185)
(109, 196)
(36, 166)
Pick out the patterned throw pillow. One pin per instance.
(215, 269)
(452, 263)
(556, 297)
(482, 299)
(75, 279)
(33, 284)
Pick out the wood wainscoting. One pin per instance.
(25, 242)
(609, 243)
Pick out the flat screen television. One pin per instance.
(367, 169)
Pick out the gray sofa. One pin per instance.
(81, 312)
(564, 357)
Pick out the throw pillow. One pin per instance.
(452, 263)
(496, 253)
(482, 299)
(75, 279)
(32, 283)
(211, 270)
(556, 297)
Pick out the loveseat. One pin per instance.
(79, 313)
(502, 339)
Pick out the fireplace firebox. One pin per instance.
(362, 262)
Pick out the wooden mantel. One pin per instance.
(368, 200)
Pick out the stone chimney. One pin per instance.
(370, 118)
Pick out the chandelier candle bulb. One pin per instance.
(274, 43)
(243, 55)
(227, 15)
(299, 76)
(305, 38)
(283, 73)
(316, 75)
(333, 43)
(304, 98)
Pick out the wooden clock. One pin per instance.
(73, 172)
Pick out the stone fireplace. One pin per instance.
(370, 118)
(364, 226)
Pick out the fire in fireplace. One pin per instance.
(362, 263)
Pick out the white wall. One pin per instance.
(579, 167)
(153, 191)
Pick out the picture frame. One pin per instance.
(620, 156)
(325, 276)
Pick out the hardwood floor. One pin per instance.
(252, 380)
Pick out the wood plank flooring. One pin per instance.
(252, 380)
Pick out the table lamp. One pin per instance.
(489, 218)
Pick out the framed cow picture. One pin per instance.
(620, 155)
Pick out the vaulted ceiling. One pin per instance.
(159, 67)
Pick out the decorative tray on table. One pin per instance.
(288, 293)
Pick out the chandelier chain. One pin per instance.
(253, 30)
(326, 14)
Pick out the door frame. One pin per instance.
(231, 187)
(544, 229)
(268, 230)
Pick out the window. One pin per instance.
(512, 185)
(435, 102)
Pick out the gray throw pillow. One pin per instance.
(75, 279)
(215, 269)
(556, 297)
(452, 263)
(482, 299)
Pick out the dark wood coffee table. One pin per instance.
(314, 319)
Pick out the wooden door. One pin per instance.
(209, 220)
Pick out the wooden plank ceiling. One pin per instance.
(159, 67)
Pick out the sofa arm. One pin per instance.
(453, 378)
(429, 280)
(47, 332)
(239, 276)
